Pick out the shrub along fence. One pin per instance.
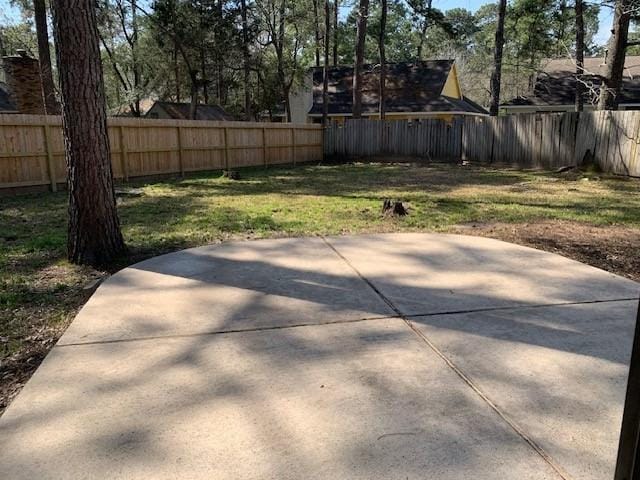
(32, 150)
(607, 139)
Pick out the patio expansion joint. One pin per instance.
(457, 370)
(397, 315)
(225, 332)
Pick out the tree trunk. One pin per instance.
(44, 58)
(497, 61)
(204, 83)
(287, 104)
(325, 75)
(425, 26)
(579, 56)
(316, 26)
(193, 107)
(361, 34)
(93, 229)
(383, 58)
(612, 84)
(176, 72)
(245, 60)
(423, 33)
(134, 58)
(336, 5)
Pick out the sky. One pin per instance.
(12, 14)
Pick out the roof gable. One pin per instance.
(182, 111)
(410, 87)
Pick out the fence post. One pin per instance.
(226, 150)
(264, 147)
(628, 448)
(459, 123)
(180, 158)
(124, 158)
(50, 165)
(293, 144)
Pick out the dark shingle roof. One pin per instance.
(556, 83)
(6, 105)
(410, 87)
(181, 111)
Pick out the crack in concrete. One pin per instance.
(222, 332)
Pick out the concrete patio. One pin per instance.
(404, 356)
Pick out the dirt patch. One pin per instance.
(58, 291)
(610, 248)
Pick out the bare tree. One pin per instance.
(383, 58)
(361, 34)
(497, 60)
(280, 19)
(125, 14)
(422, 9)
(44, 58)
(94, 235)
(325, 73)
(579, 55)
(612, 83)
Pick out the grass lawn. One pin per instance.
(589, 218)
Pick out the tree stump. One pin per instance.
(231, 174)
(390, 207)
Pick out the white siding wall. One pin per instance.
(301, 100)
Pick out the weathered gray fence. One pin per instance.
(428, 138)
(609, 139)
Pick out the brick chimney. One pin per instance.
(22, 76)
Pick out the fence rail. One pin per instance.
(608, 139)
(32, 150)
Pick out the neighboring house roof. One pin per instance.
(555, 84)
(181, 111)
(6, 105)
(125, 109)
(410, 87)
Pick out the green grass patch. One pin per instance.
(39, 290)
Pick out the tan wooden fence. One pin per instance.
(32, 150)
(609, 139)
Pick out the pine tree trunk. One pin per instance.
(316, 26)
(579, 56)
(325, 75)
(245, 61)
(497, 62)
(44, 58)
(361, 34)
(94, 236)
(383, 58)
(135, 63)
(193, 106)
(176, 72)
(612, 85)
(336, 6)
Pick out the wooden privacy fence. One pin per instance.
(32, 150)
(608, 139)
(431, 139)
